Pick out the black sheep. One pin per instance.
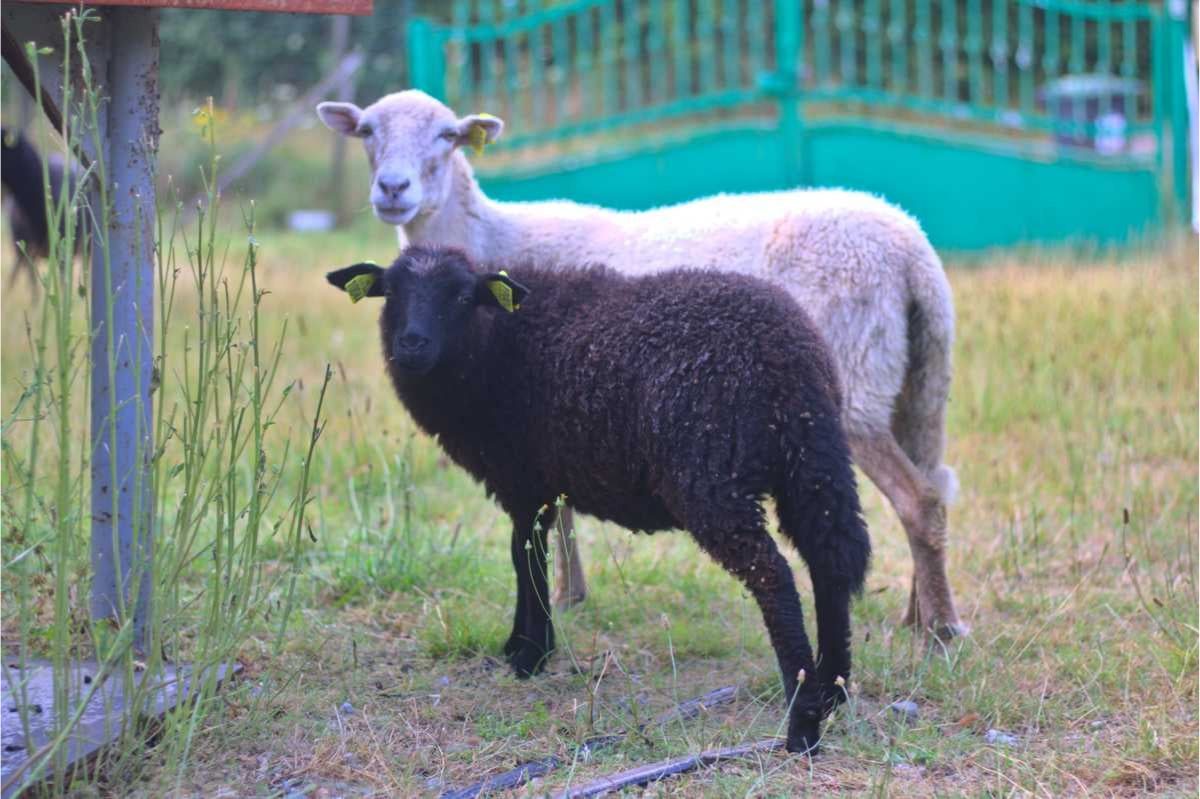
(21, 174)
(677, 400)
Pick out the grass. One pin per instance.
(1073, 426)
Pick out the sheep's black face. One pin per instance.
(429, 304)
(430, 296)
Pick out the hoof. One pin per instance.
(942, 631)
(804, 739)
(567, 600)
(948, 631)
(804, 730)
(528, 660)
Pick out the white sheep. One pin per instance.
(863, 270)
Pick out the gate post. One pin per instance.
(426, 58)
(1176, 90)
(789, 43)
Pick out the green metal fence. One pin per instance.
(634, 103)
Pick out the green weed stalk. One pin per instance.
(224, 475)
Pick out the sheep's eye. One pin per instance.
(365, 130)
(449, 135)
(465, 299)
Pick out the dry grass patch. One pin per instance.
(1075, 402)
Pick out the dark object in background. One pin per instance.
(26, 208)
(1096, 109)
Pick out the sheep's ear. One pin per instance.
(498, 290)
(360, 280)
(479, 130)
(341, 117)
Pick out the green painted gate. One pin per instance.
(992, 121)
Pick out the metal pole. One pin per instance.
(340, 40)
(122, 351)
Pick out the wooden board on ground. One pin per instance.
(101, 718)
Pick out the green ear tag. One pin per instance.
(503, 294)
(357, 287)
(477, 137)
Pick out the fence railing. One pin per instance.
(1058, 66)
(1077, 70)
(1091, 78)
(596, 65)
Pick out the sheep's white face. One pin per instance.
(409, 138)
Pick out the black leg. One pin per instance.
(532, 638)
(819, 512)
(752, 557)
(518, 561)
(833, 636)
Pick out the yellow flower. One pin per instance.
(209, 115)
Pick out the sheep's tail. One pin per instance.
(818, 504)
(919, 419)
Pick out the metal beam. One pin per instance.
(356, 7)
(122, 351)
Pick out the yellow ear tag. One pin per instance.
(477, 136)
(357, 287)
(503, 294)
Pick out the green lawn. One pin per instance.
(1074, 402)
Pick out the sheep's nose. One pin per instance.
(412, 342)
(392, 186)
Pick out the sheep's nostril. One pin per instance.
(393, 188)
(411, 342)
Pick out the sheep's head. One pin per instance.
(410, 139)
(430, 296)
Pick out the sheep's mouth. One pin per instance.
(419, 364)
(395, 214)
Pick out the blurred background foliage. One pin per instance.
(264, 60)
